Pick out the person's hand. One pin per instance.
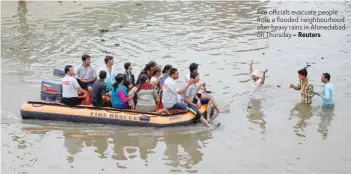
(317, 93)
(132, 96)
(265, 71)
(198, 104)
(291, 86)
(252, 62)
(191, 81)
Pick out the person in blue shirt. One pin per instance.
(328, 92)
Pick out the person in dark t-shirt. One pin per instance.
(99, 90)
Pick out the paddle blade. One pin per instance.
(59, 73)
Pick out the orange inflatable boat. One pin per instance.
(90, 114)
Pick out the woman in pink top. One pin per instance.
(119, 94)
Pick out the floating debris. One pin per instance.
(60, 2)
(263, 53)
(138, 4)
(278, 86)
(102, 40)
(74, 1)
(106, 52)
(322, 58)
(117, 45)
(11, 48)
(148, 25)
(103, 30)
(120, 26)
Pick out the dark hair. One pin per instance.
(327, 76)
(127, 65)
(151, 64)
(303, 72)
(85, 57)
(193, 66)
(193, 75)
(119, 78)
(67, 68)
(166, 68)
(102, 74)
(142, 79)
(172, 71)
(107, 58)
(156, 70)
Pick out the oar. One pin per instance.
(58, 73)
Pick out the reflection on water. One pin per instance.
(326, 115)
(303, 112)
(40, 36)
(255, 114)
(183, 151)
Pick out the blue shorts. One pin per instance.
(202, 100)
(179, 106)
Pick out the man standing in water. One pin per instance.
(328, 92)
(257, 81)
(305, 87)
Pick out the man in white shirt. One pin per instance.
(257, 81)
(171, 90)
(110, 72)
(71, 88)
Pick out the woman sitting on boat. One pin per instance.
(147, 96)
(119, 94)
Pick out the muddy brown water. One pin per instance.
(277, 135)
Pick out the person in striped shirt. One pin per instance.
(305, 88)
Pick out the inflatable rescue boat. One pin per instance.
(106, 115)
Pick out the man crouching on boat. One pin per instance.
(170, 92)
(71, 88)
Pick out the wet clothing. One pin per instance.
(146, 97)
(99, 90)
(255, 89)
(306, 92)
(328, 95)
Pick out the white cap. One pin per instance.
(256, 73)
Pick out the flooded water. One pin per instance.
(276, 135)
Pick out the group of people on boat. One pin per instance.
(157, 91)
(153, 91)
